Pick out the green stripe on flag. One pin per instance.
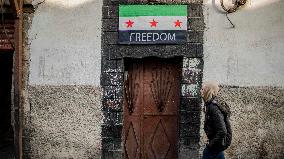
(152, 10)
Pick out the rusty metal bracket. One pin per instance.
(237, 4)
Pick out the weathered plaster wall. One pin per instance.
(248, 60)
(64, 122)
(62, 94)
(251, 54)
(65, 39)
(258, 122)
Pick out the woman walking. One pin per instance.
(217, 126)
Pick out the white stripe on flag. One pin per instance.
(143, 23)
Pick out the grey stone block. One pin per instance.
(117, 154)
(188, 129)
(118, 118)
(112, 104)
(196, 24)
(117, 131)
(117, 143)
(109, 91)
(191, 75)
(110, 37)
(107, 131)
(107, 154)
(140, 51)
(110, 2)
(112, 52)
(190, 104)
(107, 143)
(110, 11)
(195, 36)
(199, 51)
(192, 118)
(109, 117)
(112, 117)
(191, 142)
(108, 65)
(189, 154)
(120, 65)
(109, 25)
(195, 10)
(112, 78)
(119, 92)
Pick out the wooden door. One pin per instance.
(151, 102)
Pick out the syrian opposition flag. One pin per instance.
(152, 24)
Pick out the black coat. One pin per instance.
(215, 126)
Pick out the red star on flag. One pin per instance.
(178, 23)
(153, 23)
(129, 23)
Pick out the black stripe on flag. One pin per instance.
(152, 36)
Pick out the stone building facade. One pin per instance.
(113, 69)
(74, 73)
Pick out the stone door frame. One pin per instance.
(112, 74)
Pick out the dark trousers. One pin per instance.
(207, 154)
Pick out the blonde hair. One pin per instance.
(210, 90)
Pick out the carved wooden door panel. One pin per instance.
(133, 101)
(151, 109)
